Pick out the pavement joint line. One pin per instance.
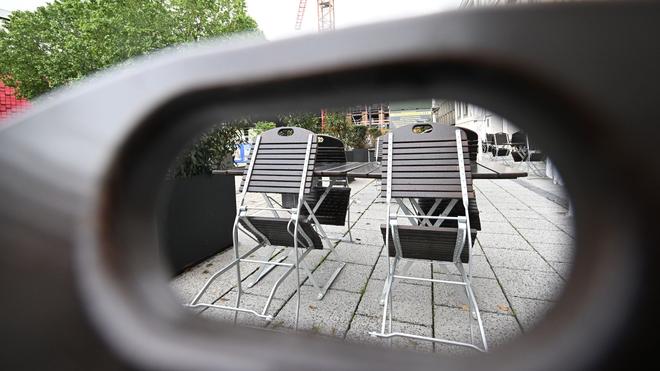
(497, 278)
(529, 242)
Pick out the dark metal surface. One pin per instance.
(82, 284)
(484, 169)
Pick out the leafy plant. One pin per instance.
(373, 133)
(209, 152)
(260, 127)
(337, 125)
(309, 121)
(358, 137)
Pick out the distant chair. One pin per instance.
(432, 165)
(281, 162)
(331, 203)
(524, 150)
(488, 144)
(519, 147)
(501, 148)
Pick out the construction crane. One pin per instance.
(326, 14)
(326, 22)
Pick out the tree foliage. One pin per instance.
(68, 39)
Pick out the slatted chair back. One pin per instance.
(519, 138)
(277, 162)
(330, 150)
(426, 164)
(501, 139)
(473, 143)
(490, 138)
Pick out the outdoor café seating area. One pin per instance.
(432, 246)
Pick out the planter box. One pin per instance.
(357, 155)
(196, 217)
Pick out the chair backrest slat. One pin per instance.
(279, 161)
(330, 150)
(426, 164)
(501, 139)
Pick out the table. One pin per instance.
(483, 169)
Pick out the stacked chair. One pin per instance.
(332, 203)
(282, 162)
(519, 150)
(501, 148)
(426, 204)
(488, 144)
(524, 150)
(432, 165)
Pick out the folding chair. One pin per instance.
(523, 150)
(501, 147)
(519, 147)
(488, 144)
(332, 203)
(432, 165)
(282, 162)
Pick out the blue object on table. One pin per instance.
(243, 151)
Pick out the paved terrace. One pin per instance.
(522, 259)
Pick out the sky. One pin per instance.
(277, 18)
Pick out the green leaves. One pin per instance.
(69, 39)
(210, 151)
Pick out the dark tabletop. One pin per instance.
(484, 169)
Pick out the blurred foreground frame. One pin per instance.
(82, 283)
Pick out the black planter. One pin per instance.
(357, 155)
(196, 216)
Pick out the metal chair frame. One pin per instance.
(300, 239)
(464, 232)
(498, 146)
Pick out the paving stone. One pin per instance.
(497, 227)
(532, 223)
(480, 268)
(556, 237)
(561, 219)
(555, 252)
(563, 269)
(362, 325)
(454, 324)
(356, 253)
(353, 277)
(369, 224)
(419, 268)
(517, 259)
(490, 297)
(529, 284)
(412, 303)
(524, 214)
(569, 229)
(248, 301)
(367, 236)
(510, 206)
(286, 288)
(330, 316)
(502, 241)
(530, 312)
(491, 216)
(186, 285)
